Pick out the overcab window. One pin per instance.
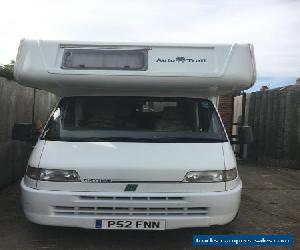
(106, 59)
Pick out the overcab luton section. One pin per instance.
(97, 68)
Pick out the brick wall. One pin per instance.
(225, 108)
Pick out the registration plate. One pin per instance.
(131, 224)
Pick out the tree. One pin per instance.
(7, 70)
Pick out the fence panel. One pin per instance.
(16, 106)
(275, 118)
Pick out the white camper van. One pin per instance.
(135, 141)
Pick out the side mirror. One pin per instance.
(245, 135)
(23, 132)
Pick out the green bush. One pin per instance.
(7, 70)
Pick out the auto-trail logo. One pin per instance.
(181, 59)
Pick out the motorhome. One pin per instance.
(135, 141)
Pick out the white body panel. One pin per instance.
(139, 160)
(133, 162)
(54, 204)
(208, 70)
(201, 209)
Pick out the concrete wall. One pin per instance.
(16, 106)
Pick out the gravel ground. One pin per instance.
(270, 205)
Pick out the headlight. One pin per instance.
(230, 174)
(210, 176)
(58, 175)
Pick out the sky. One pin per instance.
(272, 26)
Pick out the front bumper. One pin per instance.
(81, 209)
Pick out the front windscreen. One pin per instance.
(134, 119)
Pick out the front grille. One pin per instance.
(131, 211)
(129, 198)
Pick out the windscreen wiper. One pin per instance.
(137, 139)
(189, 139)
(103, 139)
